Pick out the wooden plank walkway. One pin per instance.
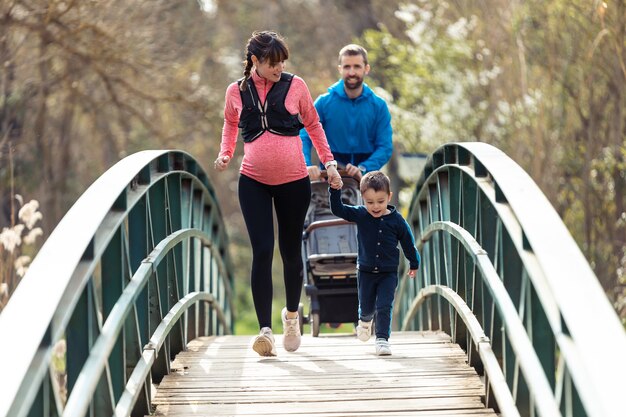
(329, 376)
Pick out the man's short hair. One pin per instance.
(376, 180)
(353, 50)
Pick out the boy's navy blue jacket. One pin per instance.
(378, 237)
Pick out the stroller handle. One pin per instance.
(341, 169)
(325, 223)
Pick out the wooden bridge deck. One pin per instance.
(332, 375)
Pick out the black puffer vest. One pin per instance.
(257, 117)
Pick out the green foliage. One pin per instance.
(576, 52)
(543, 81)
(436, 75)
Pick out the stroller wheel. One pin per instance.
(315, 324)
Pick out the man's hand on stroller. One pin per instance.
(354, 171)
(314, 172)
(412, 273)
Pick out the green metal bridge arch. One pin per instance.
(502, 275)
(140, 265)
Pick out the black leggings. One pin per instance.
(291, 201)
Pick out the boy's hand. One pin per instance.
(334, 178)
(412, 273)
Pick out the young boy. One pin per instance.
(379, 229)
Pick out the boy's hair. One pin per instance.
(353, 50)
(376, 180)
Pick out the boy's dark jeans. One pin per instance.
(376, 295)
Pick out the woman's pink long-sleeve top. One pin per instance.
(273, 159)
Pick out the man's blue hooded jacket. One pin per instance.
(358, 130)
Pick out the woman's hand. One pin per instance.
(334, 178)
(221, 163)
(412, 273)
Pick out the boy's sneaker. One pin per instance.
(382, 347)
(291, 332)
(364, 330)
(264, 343)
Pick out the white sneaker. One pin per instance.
(364, 330)
(264, 343)
(291, 332)
(382, 347)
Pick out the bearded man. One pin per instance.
(356, 121)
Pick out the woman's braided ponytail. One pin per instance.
(246, 72)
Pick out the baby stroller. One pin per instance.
(329, 253)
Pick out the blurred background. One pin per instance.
(84, 83)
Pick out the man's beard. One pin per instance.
(353, 83)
